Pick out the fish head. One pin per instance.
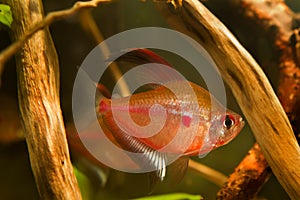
(223, 128)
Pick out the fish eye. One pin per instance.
(229, 121)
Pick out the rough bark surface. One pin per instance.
(278, 26)
(38, 92)
(275, 23)
(250, 174)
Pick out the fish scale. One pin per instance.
(176, 118)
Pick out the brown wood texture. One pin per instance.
(249, 85)
(248, 176)
(51, 17)
(38, 92)
(277, 25)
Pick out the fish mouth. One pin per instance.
(241, 125)
(238, 128)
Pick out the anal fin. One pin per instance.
(148, 158)
(178, 169)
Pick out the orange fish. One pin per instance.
(185, 122)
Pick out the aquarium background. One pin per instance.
(73, 44)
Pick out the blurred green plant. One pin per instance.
(6, 18)
(83, 183)
(173, 196)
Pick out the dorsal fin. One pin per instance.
(143, 56)
(136, 57)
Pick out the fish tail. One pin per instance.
(103, 101)
(104, 92)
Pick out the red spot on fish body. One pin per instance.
(186, 120)
(219, 143)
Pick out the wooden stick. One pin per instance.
(273, 22)
(248, 176)
(208, 173)
(249, 85)
(88, 23)
(38, 92)
(43, 23)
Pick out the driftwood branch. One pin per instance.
(250, 174)
(43, 23)
(248, 177)
(249, 85)
(89, 25)
(279, 26)
(208, 173)
(38, 92)
(275, 22)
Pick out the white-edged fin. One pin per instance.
(160, 163)
(150, 158)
